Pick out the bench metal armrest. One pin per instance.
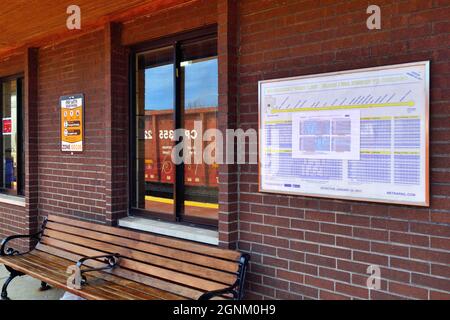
(4, 251)
(211, 294)
(237, 289)
(110, 261)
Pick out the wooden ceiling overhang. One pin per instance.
(36, 23)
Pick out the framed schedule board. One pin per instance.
(359, 134)
(72, 123)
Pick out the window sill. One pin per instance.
(14, 200)
(171, 229)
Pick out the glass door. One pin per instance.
(176, 91)
(199, 100)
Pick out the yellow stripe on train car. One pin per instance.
(186, 202)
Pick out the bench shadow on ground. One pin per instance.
(27, 288)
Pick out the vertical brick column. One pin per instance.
(227, 119)
(116, 124)
(30, 140)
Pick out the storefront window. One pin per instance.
(11, 138)
(199, 99)
(154, 119)
(176, 88)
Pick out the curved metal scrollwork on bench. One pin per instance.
(237, 289)
(4, 251)
(10, 251)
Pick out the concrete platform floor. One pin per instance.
(27, 288)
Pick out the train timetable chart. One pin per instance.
(359, 134)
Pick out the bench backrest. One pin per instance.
(184, 268)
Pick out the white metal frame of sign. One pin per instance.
(78, 102)
(325, 113)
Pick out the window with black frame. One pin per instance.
(176, 87)
(11, 170)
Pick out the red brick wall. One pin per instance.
(312, 248)
(185, 17)
(227, 119)
(116, 115)
(12, 221)
(30, 141)
(72, 185)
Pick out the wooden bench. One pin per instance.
(120, 264)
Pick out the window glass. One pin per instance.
(11, 136)
(199, 87)
(154, 121)
(176, 87)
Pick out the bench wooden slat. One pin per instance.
(170, 253)
(153, 255)
(74, 253)
(164, 289)
(58, 239)
(58, 279)
(159, 240)
(109, 284)
(118, 285)
(59, 268)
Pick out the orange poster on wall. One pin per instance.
(72, 123)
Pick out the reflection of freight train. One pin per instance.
(159, 169)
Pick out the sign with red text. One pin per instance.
(7, 126)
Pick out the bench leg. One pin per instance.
(12, 275)
(44, 286)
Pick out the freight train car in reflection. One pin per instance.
(201, 180)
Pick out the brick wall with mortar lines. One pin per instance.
(72, 185)
(227, 119)
(192, 15)
(116, 116)
(310, 248)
